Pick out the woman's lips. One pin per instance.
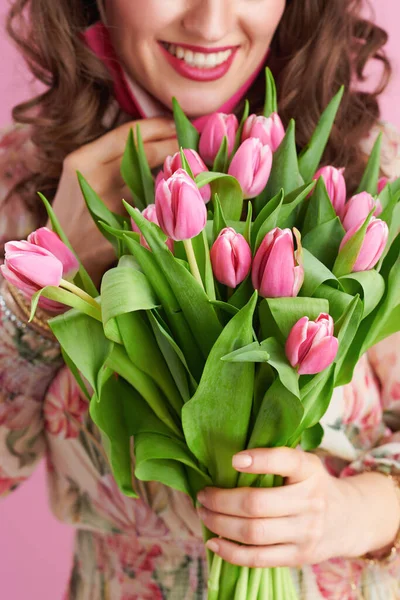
(196, 73)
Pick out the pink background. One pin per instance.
(35, 549)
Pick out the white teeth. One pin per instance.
(199, 59)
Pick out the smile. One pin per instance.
(199, 64)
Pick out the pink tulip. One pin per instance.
(276, 271)
(311, 346)
(383, 181)
(160, 177)
(196, 163)
(269, 130)
(358, 208)
(180, 209)
(30, 268)
(230, 258)
(150, 214)
(47, 239)
(373, 244)
(335, 185)
(217, 126)
(251, 166)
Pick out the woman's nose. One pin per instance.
(209, 20)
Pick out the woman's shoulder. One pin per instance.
(390, 153)
(17, 154)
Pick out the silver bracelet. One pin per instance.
(7, 315)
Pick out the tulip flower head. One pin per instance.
(251, 165)
(373, 245)
(276, 271)
(149, 214)
(311, 346)
(230, 258)
(180, 209)
(217, 126)
(358, 208)
(269, 130)
(30, 268)
(335, 186)
(383, 181)
(196, 163)
(47, 239)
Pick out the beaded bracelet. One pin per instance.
(393, 552)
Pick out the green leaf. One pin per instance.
(278, 315)
(311, 155)
(75, 372)
(271, 102)
(278, 417)
(370, 285)
(320, 209)
(188, 136)
(251, 353)
(369, 181)
(347, 256)
(185, 163)
(145, 171)
(338, 300)
(221, 160)
(312, 437)
(271, 208)
(239, 132)
(285, 170)
(346, 328)
(315, 273)
(193, 301)
(219, 222)
(228, 190)
(99, 212)
(130, 172)
(249, 223)
(215, 421)
(82, 278)
(202, 253)
(324, 241)
(269, 224)
(292, 203)
(64, 297)
(83, 339)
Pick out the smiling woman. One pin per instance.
(210, 54)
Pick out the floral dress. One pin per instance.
(151, 548)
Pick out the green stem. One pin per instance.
(71, 287)
(241, 586)
(290, 590)
(213, 581)
(265, 585)
(194, 268)
(254, 583)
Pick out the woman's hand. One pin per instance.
(312, 518)
(100, 163)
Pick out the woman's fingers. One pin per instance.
(257, 502)
(281, 555)
(257, 532)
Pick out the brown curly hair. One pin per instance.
(318, 46)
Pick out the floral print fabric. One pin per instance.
(151, 548)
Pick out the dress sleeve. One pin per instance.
(384, 358)
(28, 360)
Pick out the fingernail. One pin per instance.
(212, 545)
(241, 461)
(201, 497)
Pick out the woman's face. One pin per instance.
(201, 51)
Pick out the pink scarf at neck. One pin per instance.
(133, 99)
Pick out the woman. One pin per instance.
(109, 66)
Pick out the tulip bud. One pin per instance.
(160, 177)
(47, 239)
(358, 208)
(276, 272)
(311, 346)
(217, 126)
(373, 244)
(383, 181)
(196, 163)
(230, 258)
(30, 268)
(269, 130)
(251, 165)
(335, 185)
(149, 214)
(180, 209)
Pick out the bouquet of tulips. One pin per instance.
(247, 287)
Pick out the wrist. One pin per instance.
(374, 512)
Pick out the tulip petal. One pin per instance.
(45, 238)
(319, 357)
(278, 277)
(372, 247)
(40, 270)
(296, 337)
